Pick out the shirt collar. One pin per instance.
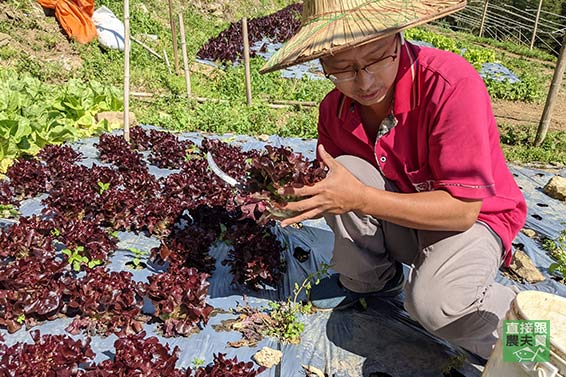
(407, 88)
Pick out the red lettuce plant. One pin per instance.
(116, 150)
(139, 139)
(49, 355)
(30, 289)
(28, 178)
(179, 298)
(222, 367)
(74, 195)
(56, 157)
(187, 247)
(279, 27)
(167, 151)
(95, 243)
(7, 193)
(31, 237)
(138, 356)
(106, 302)
(255, 259)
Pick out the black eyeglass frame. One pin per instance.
(331, 75)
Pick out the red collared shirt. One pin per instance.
(446, 137)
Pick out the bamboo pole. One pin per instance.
(247, 60)
(484, 14)
(127, 70)
(152, 51)
(174, 36)
(167, 61)
(552, 95)
(185, 59)
(536, 25)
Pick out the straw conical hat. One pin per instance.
(332, 26)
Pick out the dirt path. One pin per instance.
(521, 113)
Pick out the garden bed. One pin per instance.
(337, 343)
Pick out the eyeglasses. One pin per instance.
(371, 68)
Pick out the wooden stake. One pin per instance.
(536, 25)
(552, 95)
(174, 36)
(185, 58)
(127, 70)
(484, 14)
(247, 60)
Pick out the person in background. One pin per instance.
(416, 172)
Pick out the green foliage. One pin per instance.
(529, 88)
(197, 363)
(8, 211)
(21, 318)
(137, 254)
(33, 114)
(103, 187)
(475, 55)
(76, 258)
(557, 249)
(285, 323)
(517, 143)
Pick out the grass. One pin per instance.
(517, 143)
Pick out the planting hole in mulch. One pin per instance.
(301, 254)
(136, 266)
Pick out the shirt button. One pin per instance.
(383, 159)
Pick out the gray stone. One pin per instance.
(116, 117)
(556, 188)
(268, 357)
(529, 233)
(523, 267)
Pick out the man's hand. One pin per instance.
(338, 193)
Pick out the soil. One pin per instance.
(521, 113)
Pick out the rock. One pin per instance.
(556, 188)
(268, 357)
(529, 233)
(4, 39)
(523, 267)
(116, 117)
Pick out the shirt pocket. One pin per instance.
(421, 178)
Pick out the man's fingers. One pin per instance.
(304, 205)
(298, 191)
(314, 213)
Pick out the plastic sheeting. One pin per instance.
(382, 338)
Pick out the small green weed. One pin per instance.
(76, 258)
(137, 255)
(197, 362)
(557, 249)
(102, 187)
(21, 318)
(285, 323)
(8, 211)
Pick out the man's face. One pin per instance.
(365, 73)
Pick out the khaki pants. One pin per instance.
(450, 291)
